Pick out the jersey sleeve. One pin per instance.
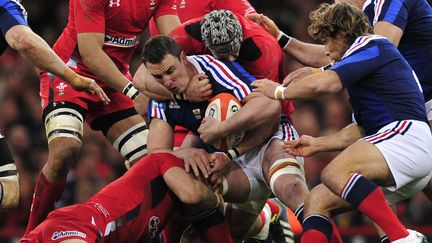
(227, 76)
(270, 58)
(186, 36)
(157, 109)
(166, 7)
(358, 65)
(392, 11)
(11, 13)
(242, 7)
(90, 16)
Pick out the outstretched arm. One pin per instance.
(22, 39)
(90, 48)
(307, 145)
(199, 88)
(306, 53)
(306, 88)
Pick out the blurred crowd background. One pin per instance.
(99, 163)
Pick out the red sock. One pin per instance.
(45, 195)
(313, 236)
(263, 216)
(376, 208)
(367, 197)
(335, 237)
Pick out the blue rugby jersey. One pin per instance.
(382, 86)
(11, 13)
(414, 17)
(227, 77)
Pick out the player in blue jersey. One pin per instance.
(389, 145)
(260, 165)
(17, 34)
(406, 23)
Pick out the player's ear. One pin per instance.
(183, 57)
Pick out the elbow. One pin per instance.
(322, 87)
(23, 40)
(269, 112)
(193, 195)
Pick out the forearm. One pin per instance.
(256, 137)
(145, 83)
(101, 65)
(257, 111)
(309, 87)
(308, 54)
(340, 140)
(33, 47)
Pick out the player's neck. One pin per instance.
(190, 69)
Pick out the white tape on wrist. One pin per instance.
(279, 93)
(130, 91)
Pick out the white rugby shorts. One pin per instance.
(407, 148)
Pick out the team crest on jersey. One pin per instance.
(119, 41)
(67, 233)
(197, 113)
(114, 3)
(153, 226)
(61, 88)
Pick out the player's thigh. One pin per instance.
(236, 184)
(129, 137)
(361, 157)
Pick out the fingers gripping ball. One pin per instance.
(223, 106)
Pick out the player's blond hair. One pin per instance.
(338, 19)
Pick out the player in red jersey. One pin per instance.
(190, 9)
(98, 42)
(135, 207)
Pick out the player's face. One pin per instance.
(335, 48)
(230, 57)
(171, 73)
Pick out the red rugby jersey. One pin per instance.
(122, 21)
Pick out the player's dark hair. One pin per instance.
(343, 19)
(157, 47)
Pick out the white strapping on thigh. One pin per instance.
(285, 166)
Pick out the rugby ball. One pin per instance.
(223, 106)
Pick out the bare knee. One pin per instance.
(316, 202)
(63, 154)
(291, 190)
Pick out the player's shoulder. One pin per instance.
(366, 42)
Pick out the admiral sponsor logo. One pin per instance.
(153, 226)
(120, 41)
(62, 234)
